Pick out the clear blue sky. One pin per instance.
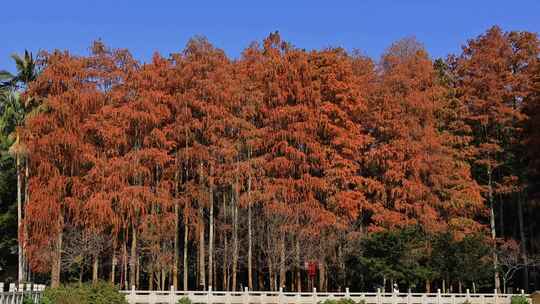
(154, 25)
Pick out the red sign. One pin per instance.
(312, 269)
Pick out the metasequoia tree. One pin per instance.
(493, 74)
(420, 178)
(200, 169)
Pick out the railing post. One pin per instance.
(468, 295)
(409, 296)
(246, 295)
(132, 295)
(438, 296)
(315, 295)
(495, 296)
(209, 295)
(171, 295)
(347, 293)
(280, 295)
(378, 295)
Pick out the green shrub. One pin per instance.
(184, 300)
(341, 301)
(100, 293)
(27, 300)
(519, 300)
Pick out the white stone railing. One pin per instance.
(16, 293)
(279, 297)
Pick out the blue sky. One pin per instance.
(165, 26)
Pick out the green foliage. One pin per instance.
(399, 255)
(411, 257)
(466, 259)
(519, 300)
(28, 300)
(341, 301)
(100, 293)
(184, 300)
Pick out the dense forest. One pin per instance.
(283, 168)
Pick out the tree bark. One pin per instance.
(235, 237)
(321, 276)
(113, 264)
(202, 255)
(250, 236)
(26, 268)
(133, 258)
(124, 273)
(493, 232)
(523, 243)
(225, 247)
(185, 269)
(211, 232)
(20, 268)
(176, 259)
(282, 271)
(56, 264)
(95, 269)
(298, 267)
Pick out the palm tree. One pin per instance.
(14, 111)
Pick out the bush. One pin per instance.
(519, 300)
(184, 300)
(27, 300)
(341, 301)
(100, 293)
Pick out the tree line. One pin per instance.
(198, 170)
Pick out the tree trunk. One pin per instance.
(250, 236)
(202, 255)
(138, 272)
(151, 280)
(271, 274)
(95, 269)
(163, 279)
(26, 268)
(124, 277)
(444, 286)
(235, 237)
(298, 267)
(211, 233)
(186, 232)
(501, 217)
(261, 284)
(133, 258)
(225, 247)
(282, 271)
(523, 244)
(113, 264)
(176, 260)
(19, 219)
(321, 276)
(428, 286)
(493, 232)
(57, 258)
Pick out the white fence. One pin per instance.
(267, 297)
(16, 293)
